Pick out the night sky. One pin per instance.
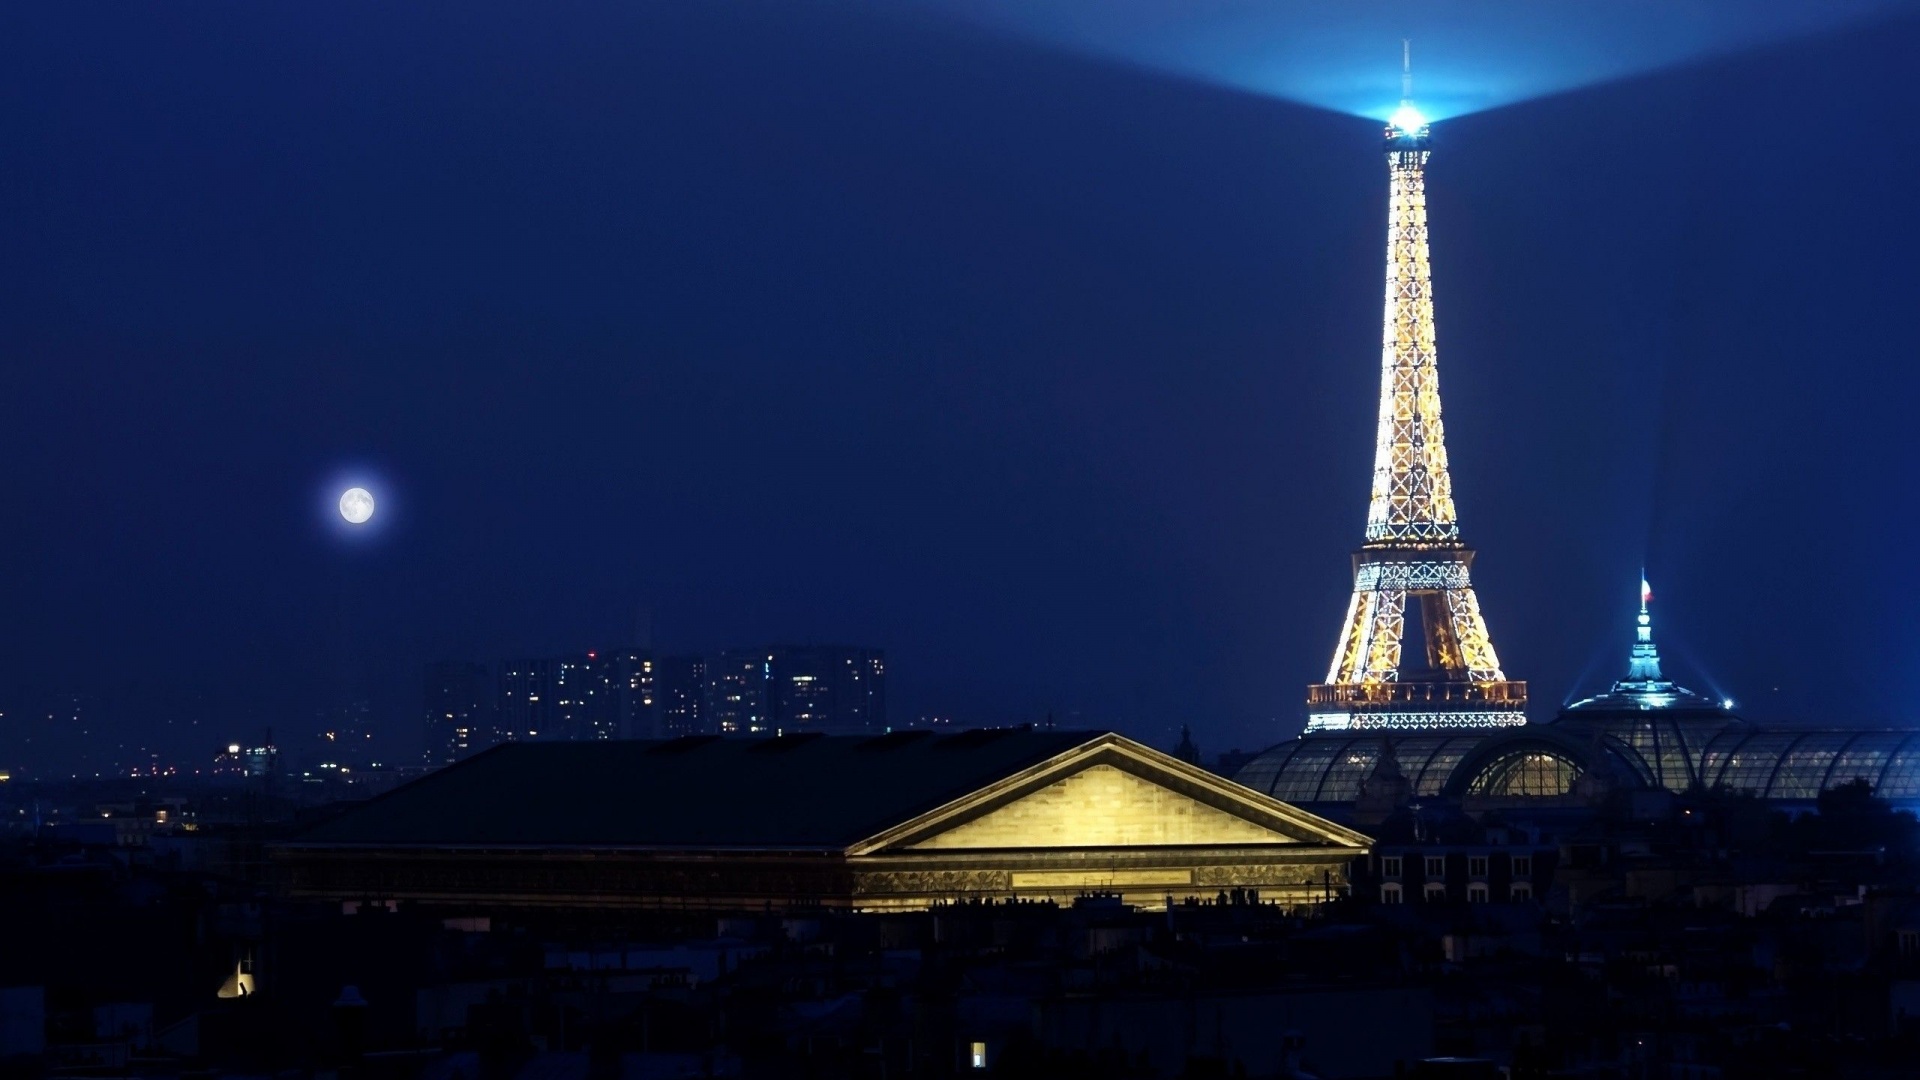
(1052, 374)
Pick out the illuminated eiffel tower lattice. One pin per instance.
(1410, 580)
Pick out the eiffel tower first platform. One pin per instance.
(1410, 578)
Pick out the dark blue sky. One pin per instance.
(1053, 376)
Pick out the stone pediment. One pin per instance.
(1111, 792)
(1102, 806)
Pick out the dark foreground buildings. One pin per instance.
(996, 902)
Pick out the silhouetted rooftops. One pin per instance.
(800, 792)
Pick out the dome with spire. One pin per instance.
(1664, 727)
(1645, 687)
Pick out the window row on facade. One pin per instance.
(1435, 892)
(1435, 866)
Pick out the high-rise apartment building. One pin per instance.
(835, 689)
(459, 709)
(587, 696)
(578, 706)
(623, 689)
(346, 733)
(525, 696)
(737, 692)
(679, 698)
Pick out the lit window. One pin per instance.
(977, 1055)
(1390, 866)
(1390, 893)
(1477, 866)
(1477, 893)
(1523, 866)
(1436, 866)
(1526, 773)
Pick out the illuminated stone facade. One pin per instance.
(1049, 816)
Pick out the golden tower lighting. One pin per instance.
(1410, 578)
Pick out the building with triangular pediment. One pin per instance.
(893, 822)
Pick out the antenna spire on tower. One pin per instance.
(1406, 123)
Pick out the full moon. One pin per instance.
(356, 505)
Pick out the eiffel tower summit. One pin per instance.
(1411, 584)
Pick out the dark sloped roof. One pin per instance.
(808, 792)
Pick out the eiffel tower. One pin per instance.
(1410, 578)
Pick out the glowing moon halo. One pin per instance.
(356, 505)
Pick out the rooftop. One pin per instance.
(795, 792)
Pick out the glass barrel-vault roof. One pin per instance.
(1802, 771)
(1900, 778)
(1332, 768)
(1799, 765)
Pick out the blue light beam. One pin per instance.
(1468, 55)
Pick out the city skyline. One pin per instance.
(602, 695)
(760, 540)
(1052, 404)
